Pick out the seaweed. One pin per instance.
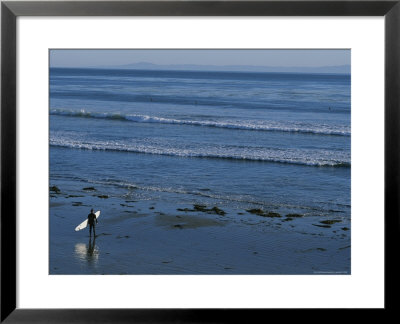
(89, 189)
(345, 228)
(256, 211)
(260, 212)
(200, 207)
(294, 215)
(185, 209)
(204, 209)
(330, 221)
(217, 211)
(272, 214)
(103, 196)
(55, 189)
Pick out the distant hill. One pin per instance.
(340, 69)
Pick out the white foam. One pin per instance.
(310, 157)
(251, 125)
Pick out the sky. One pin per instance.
(256, 57)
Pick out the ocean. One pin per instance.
(193, 157)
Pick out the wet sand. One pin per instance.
(156, 237)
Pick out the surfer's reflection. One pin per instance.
(87, 252)
(92, 245)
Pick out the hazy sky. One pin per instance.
(281, 58)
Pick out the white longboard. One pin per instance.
(83, 225)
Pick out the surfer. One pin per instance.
(91, 219)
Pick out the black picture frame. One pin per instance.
(10, 10)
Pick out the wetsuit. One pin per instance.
(91, 220)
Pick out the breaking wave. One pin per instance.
(251, 125)
(319, 158)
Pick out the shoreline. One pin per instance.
(158, 237)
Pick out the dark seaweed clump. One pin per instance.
(214, 210)
(204, 209)
(330, 221)
(89, 189)
(217, 211)
(260, 212)
(294, 215)
(185, 209)
(103, 196)
(55, 189)
(200, 207)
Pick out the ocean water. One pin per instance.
(169, 140)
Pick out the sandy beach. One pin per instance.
(147, 237)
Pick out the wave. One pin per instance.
(317, 158)
(252, 125)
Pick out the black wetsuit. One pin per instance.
(91, 220)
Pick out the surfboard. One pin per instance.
(83, 225)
